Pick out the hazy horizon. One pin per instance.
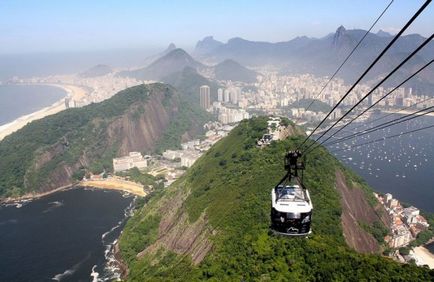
(30, 27)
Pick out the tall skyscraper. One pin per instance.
(235, 95)
(220, 95)
(205, 97)
(226, 96)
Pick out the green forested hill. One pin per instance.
(213, 223)
(53, 151)
(317, 106)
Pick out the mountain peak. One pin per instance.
(171, 47)
(341, 29)
(232, 70)
(98, 70)
(209, 38)
(206, 45)
(338, 36)
(235, 39)
(383, 33)
(229, 61)
(177, 53)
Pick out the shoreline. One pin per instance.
(423, 256)
(34, 196)
(115, 184)
(72, 91)
(111, 184)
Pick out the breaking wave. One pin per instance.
(70, 271)
(53, 205)
(111, 268)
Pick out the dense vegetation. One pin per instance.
(67, 137)
(190, 119)
(231, 183)
(190, 115)
(73, 130)
(317, 106)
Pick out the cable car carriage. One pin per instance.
(291, 206)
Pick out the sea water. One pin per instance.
(65, 236)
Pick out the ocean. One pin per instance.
(65, 236)
(402, 166)
(19, 100)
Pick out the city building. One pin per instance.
(400, 238)
(387, 198)
(205, 97)
(188, 158)
(171, 155)
(190, 144)
(220, 95)
(393, 203)
(226, 96)
(406, 223)
(410, 215)
(134, 159)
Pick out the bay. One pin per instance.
(402, 166)
(65, 236)
(19, 100)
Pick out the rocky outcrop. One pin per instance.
(143, 125)
(355, 211)
(338, 36)
(206, 46)
(177, 234)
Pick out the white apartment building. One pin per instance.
(401, 237)
(134, 159)
(171, 154)
(188, 158)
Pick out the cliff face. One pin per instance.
(213, 223)
(54, 151)
(356, 209)
(137, 129)
(143, 124)
(176, 233)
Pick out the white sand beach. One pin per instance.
(74, 92)
(116, 184)
(423, 256)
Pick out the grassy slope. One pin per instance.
(232, 184)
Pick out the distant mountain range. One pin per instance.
(177, 60)
(232, 70)
(149, 60)
(318, 56)
(98, 70)
(321, 56)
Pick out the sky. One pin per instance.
(28, 26)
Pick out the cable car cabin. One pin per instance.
(291, 210)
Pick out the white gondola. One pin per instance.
(291, 206)
(291, 211)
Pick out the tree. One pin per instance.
(404, 251)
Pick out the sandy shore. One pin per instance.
(116, 184)
(423, 256)
(110, 184)
(74, 92)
